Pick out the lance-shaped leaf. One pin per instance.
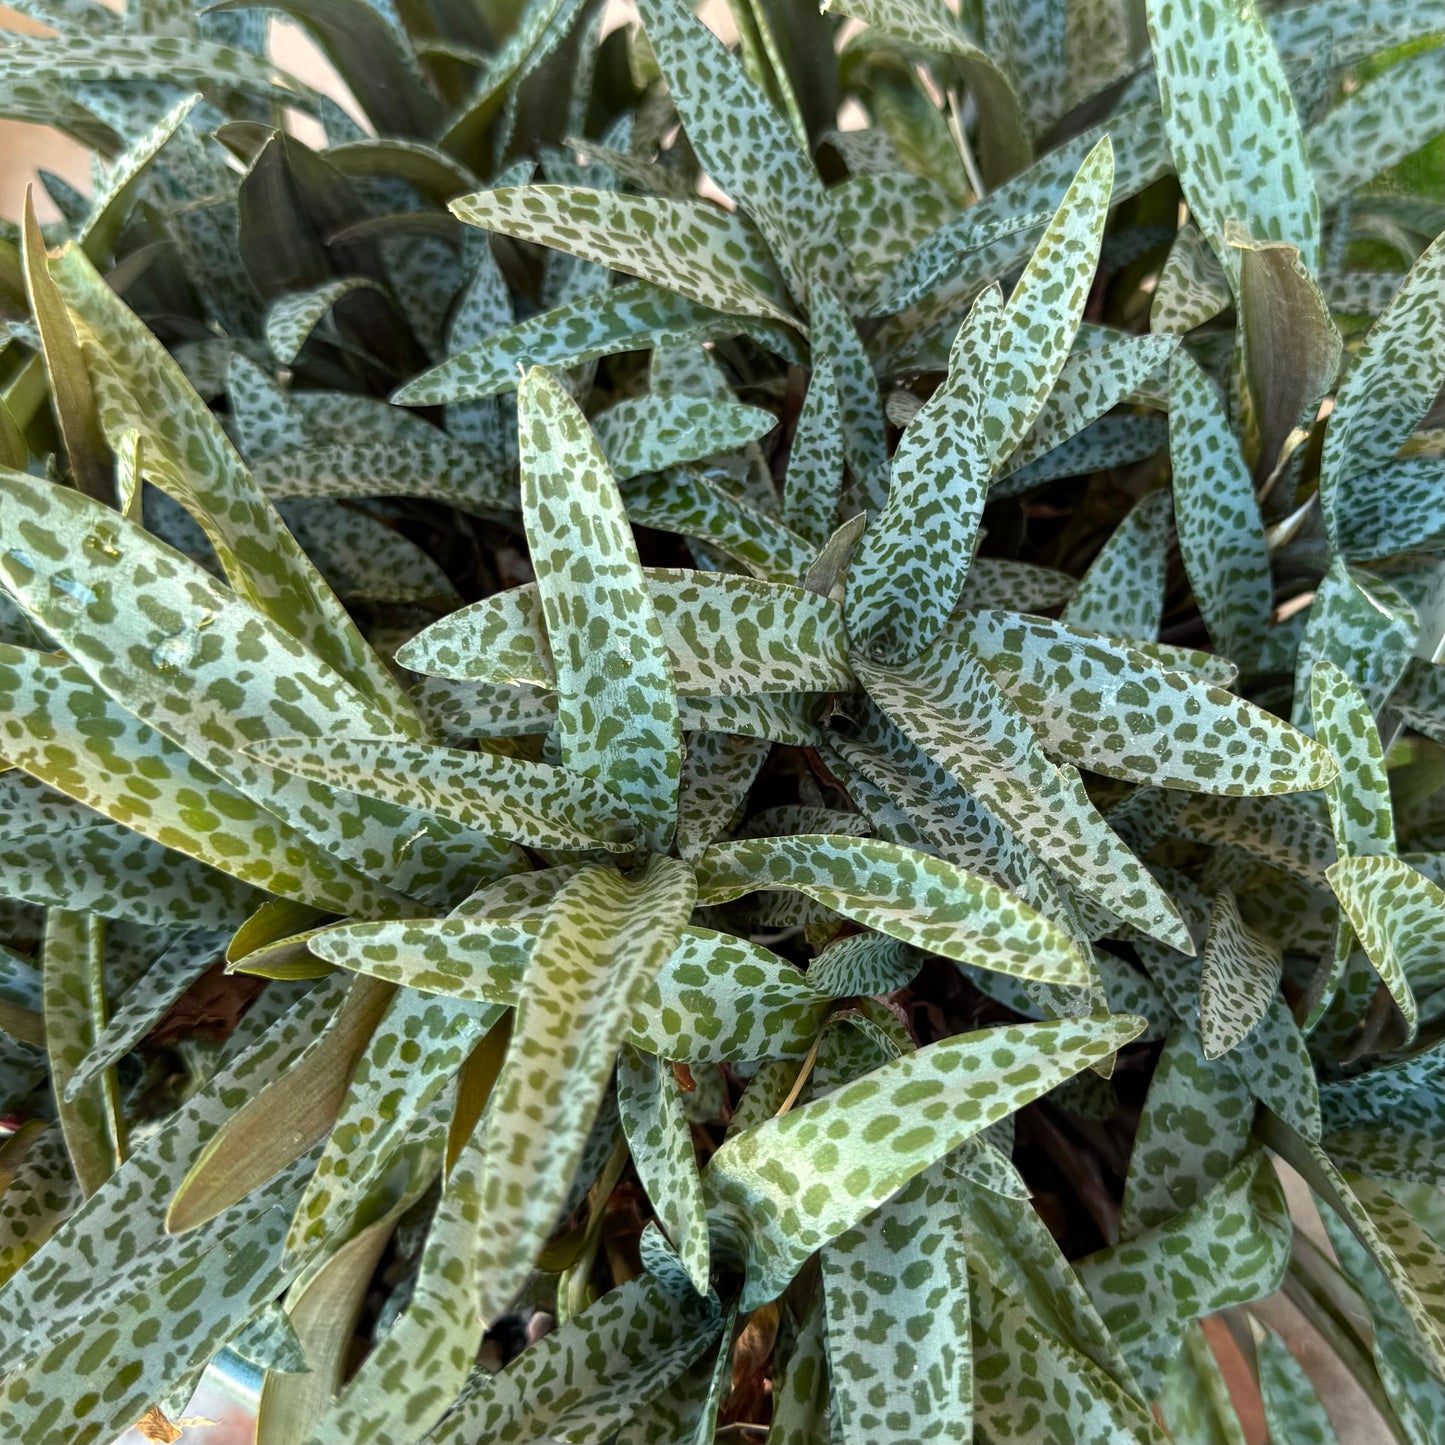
(909, 896)
(1359, 797)
(1112, 709)
(717, 999)
(425, 463)
(911, 562)
(699, 250)
(1017, 586)
(617, 718)
(896, 1298)
(1043, 312)
(717, 772)
(951, 708)
(592, 1371)
(626, 318)
(1089, 383)
(660, 1140)
(530, 803)
(793, 1184)
(1228, 1248)
(1238, 979)
(724, 634)
(40, 1190)
(1364, 627)
(1192, 287)
(1395, 508)
(1221, 534)
(292, 318)
(72, 961)
(1112, 441)
(249, 1149)
(746, 146)
(1233, 131)
(1419, 699)
(64, 730)
(603, 940)
(147, 1000)
(1194, 1129)
(1194, 1400)
(834, 339)
(1384, 120)
(1122, 593)
(1400, 1273)
(72, 396)
(683, 500)
(653, 432)
(418, 1044)
(1399, 917)
(1396, 376)
(1292, 1408)
(47, 1301)
(815, 461)
(109, 870)
(137, 385)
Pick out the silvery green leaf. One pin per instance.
(833, 1142)
(1116, 440)
(909, 896)
(746, 147)
(1229, 1247)
(660, 1139)
(1221, 534)
(896, 1294)
(625, 318)
(1192, 287)
(910, 564)
(1044, 309)
(1292, 1408)
(617, 718)
(688, 501)
(602, 941)
(717, 771)
(998, 582)
(1239, 977)
(292, 318)
(1194, 1399)
(1122, 593)
(41, 1191)
(695, 248)
(1089, 383)
(1359, 797)
(835, 339)
(815, 463)
(880, 217)
(1233, 131)
(1375, 125)
(653, 432)
(949, 706)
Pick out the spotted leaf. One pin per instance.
(797, 1182)
(1239, 975)
(617, 715)
(1233, 132)
(1104, 706)
(1122, 593)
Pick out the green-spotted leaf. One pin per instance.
(625, 318)
(1394, 379)
(1233, 131)
(998, 582)
(72, 962)
(138, 385)
(65, 731)
(1194, 1400)
(1228, 1248)
(1043, 312)
(1359, 797)
(909, 896)
(896, 1291)
(908, 570)
(1221, 534)
(658, 1134)
(603, 939)
(292, 318)
(1399, 917)
(724, 634)
(529, 803)
(950, 707)
(815, 462)
(1122, 593)
(1104, 706)
(617, 718)
(746, 146)
(1194, 1129)
(834, 339)
(1292, 1408)
(834, 1142)
(695, 248)
(1239, 976)
(1192, 287)
(653, 432)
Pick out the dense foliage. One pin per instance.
(573, 750)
